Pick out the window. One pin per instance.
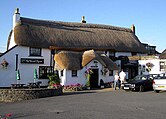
(61, 72)
(162, 66)
(143, 68)
(34, 51)
(110, 72)
(74, 73)
(105, 52)
(44, 71)
(111, 53)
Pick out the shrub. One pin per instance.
(53, 79)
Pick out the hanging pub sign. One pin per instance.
(32, 61)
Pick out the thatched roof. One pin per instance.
(77, 60)
(163, 55)
(75, 36)
(142, 57)
(68, 60)
(90, 55)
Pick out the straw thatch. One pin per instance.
(68, 60)
(77, 60)
(142, 57)
(75, 36)
(88, 56)
(163, 55)
(107, 62)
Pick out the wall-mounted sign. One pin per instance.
(95, 62)
(94, 66)
(32, 61)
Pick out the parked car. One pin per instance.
(159, 83)
(140, 83)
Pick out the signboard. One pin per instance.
(94, 66)
(32, 61)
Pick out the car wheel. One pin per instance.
(157, 91)
(141, 89)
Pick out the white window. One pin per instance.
(34, 51)
(162, 66)
(61, 72)
(44, 71)
(74, 73)
(110, 72)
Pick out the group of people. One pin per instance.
(119, 79)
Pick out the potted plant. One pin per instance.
(88, 84)
(149, 66)
(53, 79)
(88, 73)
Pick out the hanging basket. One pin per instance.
(149, 66)
(4, 64)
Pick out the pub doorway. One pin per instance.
(94, 78)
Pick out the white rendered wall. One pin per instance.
(155, 69)
(16, 19)
(8, 76)
(12, 42)
(81, 78)
(63, 78)
(117, 54)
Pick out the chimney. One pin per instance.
(16, 17)
(83, 19)
(133, 28)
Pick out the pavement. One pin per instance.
(91, 104)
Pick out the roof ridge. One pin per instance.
(72, 24)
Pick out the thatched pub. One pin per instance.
(69, 47)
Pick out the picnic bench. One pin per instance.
(15, 86)
(34, 84)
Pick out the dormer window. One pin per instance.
(34, 51)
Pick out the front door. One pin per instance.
(94, 78)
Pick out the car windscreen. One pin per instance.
(140, 77)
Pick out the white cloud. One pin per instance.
(2, 48)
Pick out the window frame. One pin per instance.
(74, 73)
(44, 71)
(61, 73)
(32, 51)
(111, 53)
(162, 67)
(111, 72)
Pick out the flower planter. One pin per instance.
(101, 86)
(76, 87)
(88, 88)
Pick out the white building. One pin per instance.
(33, 44)
(73, 67)
(152, 66)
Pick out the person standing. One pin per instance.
(116, 81)
(122, 76)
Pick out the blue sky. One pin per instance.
(147, 15)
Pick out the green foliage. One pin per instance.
(88, 83)
(53, 79)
